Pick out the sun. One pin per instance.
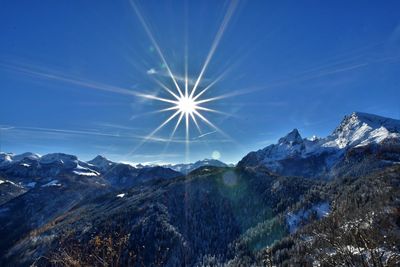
(186, 105)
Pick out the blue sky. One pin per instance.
(67, 69)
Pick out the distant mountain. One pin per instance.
(123, 175)
(360, 143)
(187, 168)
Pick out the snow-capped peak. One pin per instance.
(9, 158)
(27, 155)
(68, 161)
(357, 119)
(363, 128)
(291, 138)
(356, 130)
(101, 162)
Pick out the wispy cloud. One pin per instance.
(53, 75)
(180, 78)
(95, 132)
(5, 128)
(115, 126)
(151, 71)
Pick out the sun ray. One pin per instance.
(153, 112)
(217, 39)
(208, 86)
(171, 136)
(187, 137)
(214, 111)
(79, 82)
(176, 125)
(212, 125)
(162, 124)
(228, 95)
(155, 44)
(150, 136)
(166, 89)
(148, 96)
(195, 122)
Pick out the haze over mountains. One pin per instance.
(299, 201)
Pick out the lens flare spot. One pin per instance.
(216, 155)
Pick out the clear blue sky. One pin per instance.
(296, 64)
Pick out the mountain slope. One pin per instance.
(357, 136)
(37, 189)
(213, 211)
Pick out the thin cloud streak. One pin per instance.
(205, 134)
(78, 82)
(100, 134)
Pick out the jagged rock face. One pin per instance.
(335, 154)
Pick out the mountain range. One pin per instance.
(328, 201)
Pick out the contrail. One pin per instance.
(205, 134)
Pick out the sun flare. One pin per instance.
(186, 105)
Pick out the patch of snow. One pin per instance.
(86, 173)
(322, 209)
(121, 195)
(79, 170)
(31, 184)
(293, 219)
(313, 138)
(25, 164)
(52, 183)
(5, 159)
(10, 182)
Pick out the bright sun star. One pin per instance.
(187, 104)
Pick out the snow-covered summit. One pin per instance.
(359, 129)
(374, 121)
(68, 161)
(291, 138)
(101, 162)
(356, 130)
(9, 158)
(31, 164)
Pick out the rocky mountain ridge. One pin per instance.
(324, 157)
